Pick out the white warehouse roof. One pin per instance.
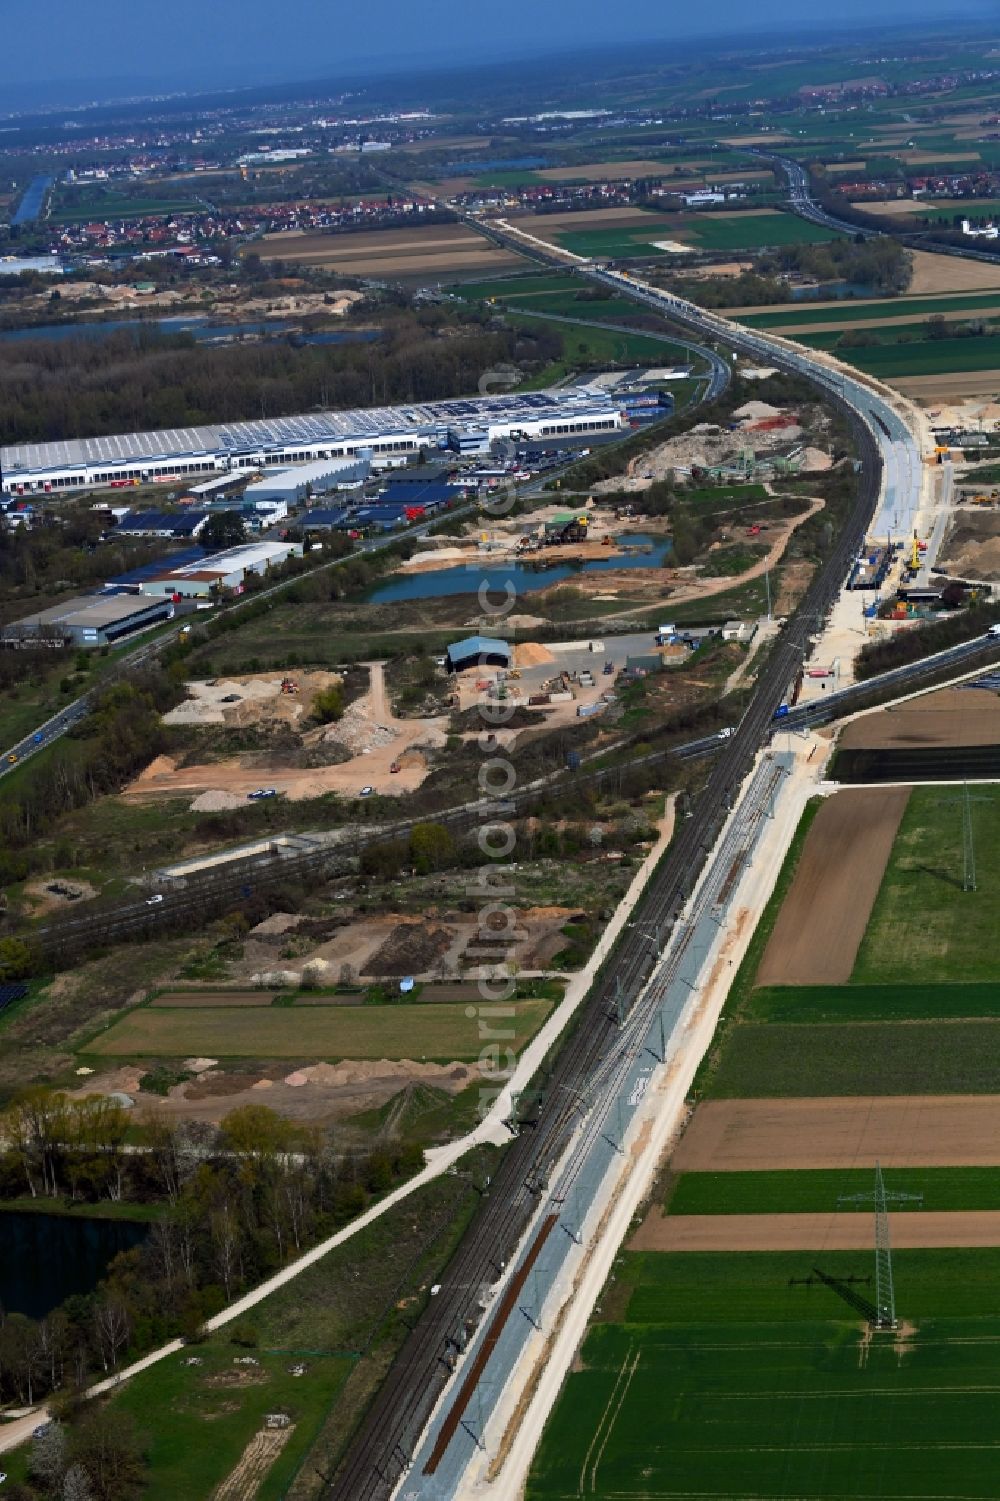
(287, 438)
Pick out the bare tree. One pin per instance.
(225, 1244)
(47, 1461)
(76, 1485)
(112, 1327)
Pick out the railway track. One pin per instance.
(385, 1442)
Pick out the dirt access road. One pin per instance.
(380, 740)
(823, 918)
(913, 1230)
(734, 1136)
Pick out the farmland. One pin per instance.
(919, 356)
(854, 311)
(824, 916)
(864, 1058)
(441, 1031)
(817, 1192)
(740, 1376)
(431, 250)
(739, 1136)
(923, 924)
(708, 231)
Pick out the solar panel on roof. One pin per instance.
(11, 993)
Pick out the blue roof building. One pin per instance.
(478, 651)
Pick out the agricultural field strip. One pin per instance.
(823, 918)
(922, 1132)
(818, 1191)
(822, 1231)
(443, 1032)
(754, 1381)
(889, 312)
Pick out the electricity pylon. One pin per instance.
(885, 1295)
(968, 843)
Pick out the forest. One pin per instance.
(881, 267)
(83, 387)
(227, 1206)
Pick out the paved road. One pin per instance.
(720, 370)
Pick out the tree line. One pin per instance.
(61, 388)
(234, 1204)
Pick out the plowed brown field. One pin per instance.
(823, 918)
(731, 1136)
(952, 716)
(913, 1230)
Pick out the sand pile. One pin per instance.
(532, 654)
(217, 802)
(447, 1075)
(754, 411)
(815, 461)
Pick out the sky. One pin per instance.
(136, 45)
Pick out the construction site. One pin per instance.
(762, 442)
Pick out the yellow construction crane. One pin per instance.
(915, 555)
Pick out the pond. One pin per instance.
(200, 329)
(829, 291)
(46, 1258)
(524, 577)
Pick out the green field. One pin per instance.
(944, 1190)
(912, 1001)
(921, 357)
(514, 286)
(512, 179)
(873, 1058)
(117, 206)
(850, 311)
(204, 1419)
(706, 231)
(443, 1032)
(600, 345)
(719, 1378)
(923, 925)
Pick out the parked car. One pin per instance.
(366, 792)
(154, 901)
(725, 734)
(255, 797)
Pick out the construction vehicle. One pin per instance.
(915, 555)
(289, 685)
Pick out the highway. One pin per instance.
(385, 1442)
(383, 1448)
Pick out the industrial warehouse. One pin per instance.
(90, 620)
(377, 433)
